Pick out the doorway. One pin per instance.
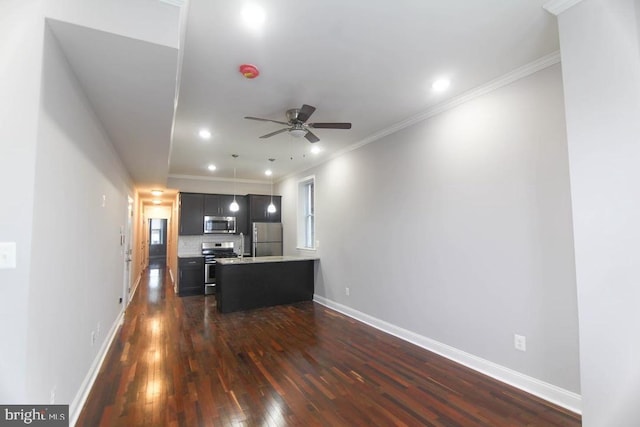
(157, 242)
(126, 240)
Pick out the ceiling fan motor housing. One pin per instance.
(292, 115)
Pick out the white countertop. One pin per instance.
(190, 255)
(264, 259)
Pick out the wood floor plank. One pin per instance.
(178, 362)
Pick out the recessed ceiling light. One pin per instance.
(315, 149)
(441, 85)
(253, 16)
(156, 192)
(268, 172)
(157, 202)
(211, 167)
(204, 134)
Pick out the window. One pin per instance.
(156, 232)
(306, 213)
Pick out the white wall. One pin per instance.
(80, 205)
(21, 34)
(56, 162)
(459, 229)
(600, 48)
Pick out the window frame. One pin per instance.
(306, 220)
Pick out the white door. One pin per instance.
(126, 288)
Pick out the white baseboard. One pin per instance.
(135, 288)
(81, 397)
(549, 392)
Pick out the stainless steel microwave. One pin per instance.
(219, 224)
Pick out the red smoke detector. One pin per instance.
(249, 71)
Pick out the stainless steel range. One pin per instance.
(212, 251)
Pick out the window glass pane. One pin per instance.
(156, 238)
(306, 211)
(308, 240)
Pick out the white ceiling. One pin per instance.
(131, 85)
(369, 63)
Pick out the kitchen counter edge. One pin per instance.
(265, 259)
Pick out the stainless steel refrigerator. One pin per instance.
(267, 239)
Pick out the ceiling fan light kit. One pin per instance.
(298, 133)
(298, 126)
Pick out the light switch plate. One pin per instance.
(7, 255)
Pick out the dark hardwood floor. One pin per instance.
(178, 362)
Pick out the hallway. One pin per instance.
(178, 362)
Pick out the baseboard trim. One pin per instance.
(81, 397)
(135, 288)
(549, 392)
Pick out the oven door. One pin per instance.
(209, 277)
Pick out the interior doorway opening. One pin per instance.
(157, 242)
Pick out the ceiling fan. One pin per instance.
(297, 124)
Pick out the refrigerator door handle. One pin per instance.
(255, 238)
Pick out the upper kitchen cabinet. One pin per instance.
(191, 214)
(258, 205)
(218, 204)
(242, 216)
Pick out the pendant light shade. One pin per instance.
(234, 207)
(271, 208)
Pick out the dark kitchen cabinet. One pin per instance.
(258, 205)
(218, 204)
(190, 276)
(191, 214)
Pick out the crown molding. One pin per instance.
(556, 7)
(517, 74)
(219, 179)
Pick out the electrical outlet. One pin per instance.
(346, 291)
(93, 338)
(520, 342)
(52, 396)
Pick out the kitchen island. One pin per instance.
(247, 283)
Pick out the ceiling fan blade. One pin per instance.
(305, 112)
(274, 133)
(266, 120)
(329, 125)
(311, 137)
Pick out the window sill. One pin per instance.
(306, 249)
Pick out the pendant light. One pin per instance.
(234, 207)
(271, 208)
